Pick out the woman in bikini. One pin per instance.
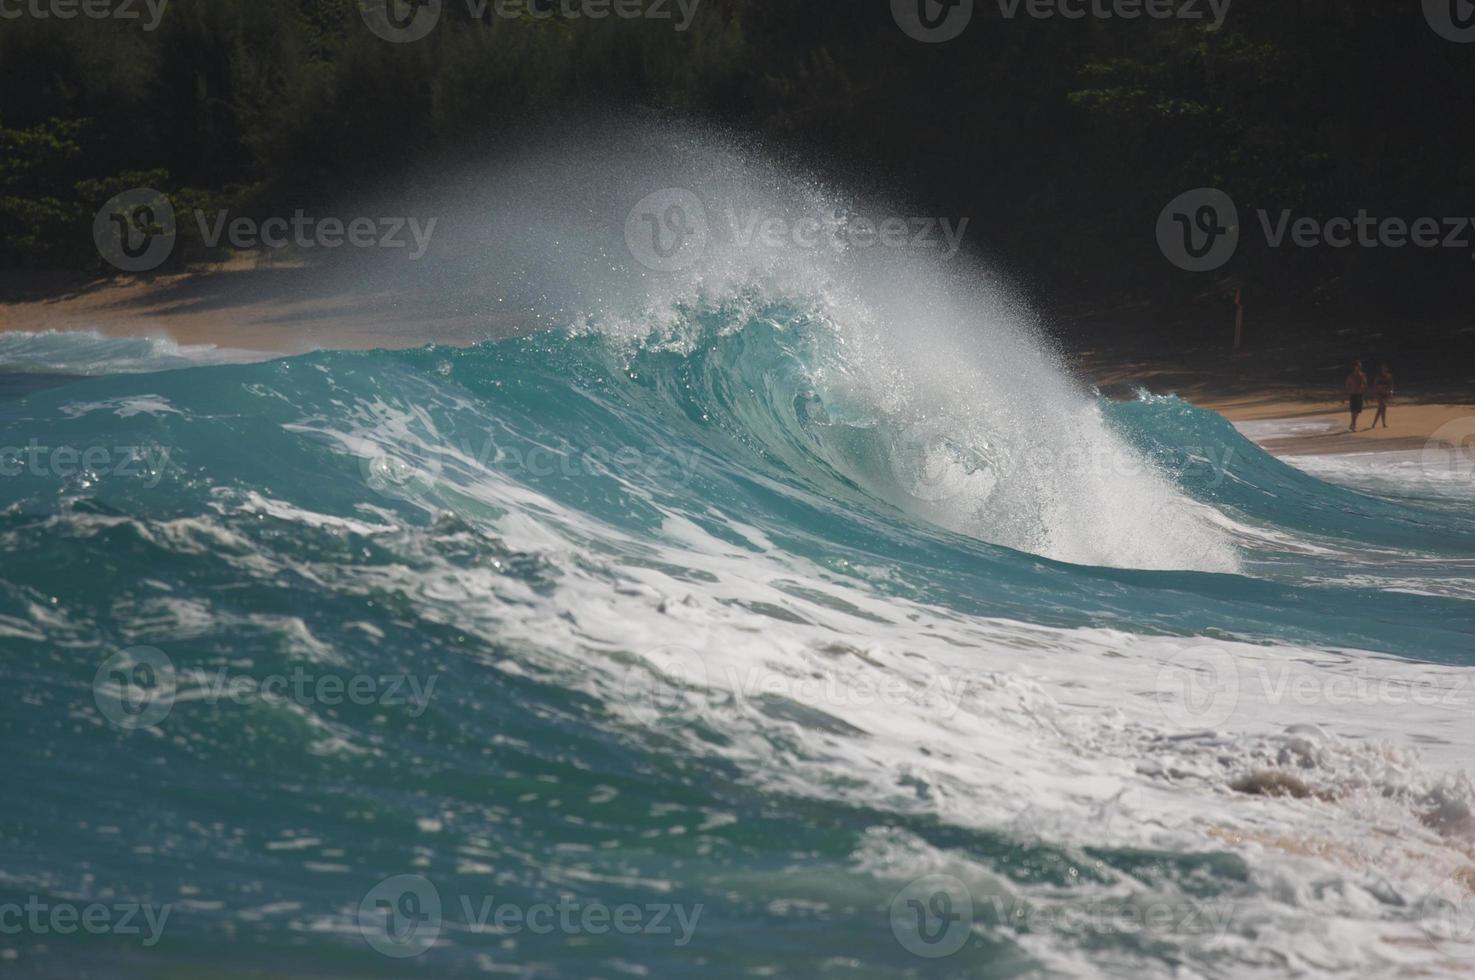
(1383, 390)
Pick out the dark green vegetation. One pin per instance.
(1062, 140)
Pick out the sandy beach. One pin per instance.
(285, 307)
(1321, 428)
(1284, 388)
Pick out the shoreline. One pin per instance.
(1284, 395)
(1284, 389)
(1294, 428)
(263, 305)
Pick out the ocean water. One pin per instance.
(781, 624)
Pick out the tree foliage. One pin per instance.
(1060, 139)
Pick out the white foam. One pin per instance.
(1419, 474)
(92, 352)
(931, 346)
(1263, 430)
(814, 685)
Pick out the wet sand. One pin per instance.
(1321, 427)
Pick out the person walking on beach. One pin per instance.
(1383, 391)
(1356, 390)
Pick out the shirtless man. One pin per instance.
(1356, 390)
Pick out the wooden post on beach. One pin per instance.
(1239, 318)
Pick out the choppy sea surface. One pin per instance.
(708, 629)
(790, 629)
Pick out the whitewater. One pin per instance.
(783, 598)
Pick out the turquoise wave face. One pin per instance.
(404, 614)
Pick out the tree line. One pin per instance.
(1061, 139)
